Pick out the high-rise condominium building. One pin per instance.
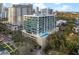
(46, 11)
(16, 13)
(2, 11)
(39, 25)
(37, 11)
(11, 15)
(24, 9)
(1, 7)
(6, 12)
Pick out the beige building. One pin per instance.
(14, 17)
(11, 15)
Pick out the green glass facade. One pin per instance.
(39, 24)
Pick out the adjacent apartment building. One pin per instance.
(16, 12)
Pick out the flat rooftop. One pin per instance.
(37, 15)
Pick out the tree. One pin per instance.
(73, 43)
(17, 36)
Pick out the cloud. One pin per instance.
(40, 5)
(39, 1)
(57, 3)
(64, 8)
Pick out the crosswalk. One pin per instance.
(8, 46)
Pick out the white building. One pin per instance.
(60, 22)
(76, 28)
(46, 11)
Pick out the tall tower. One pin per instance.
(11, 15)
(37, 10)
(17, 12)
(2, 11)
(46, 11)
(1, 7)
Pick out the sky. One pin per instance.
(56, 6)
